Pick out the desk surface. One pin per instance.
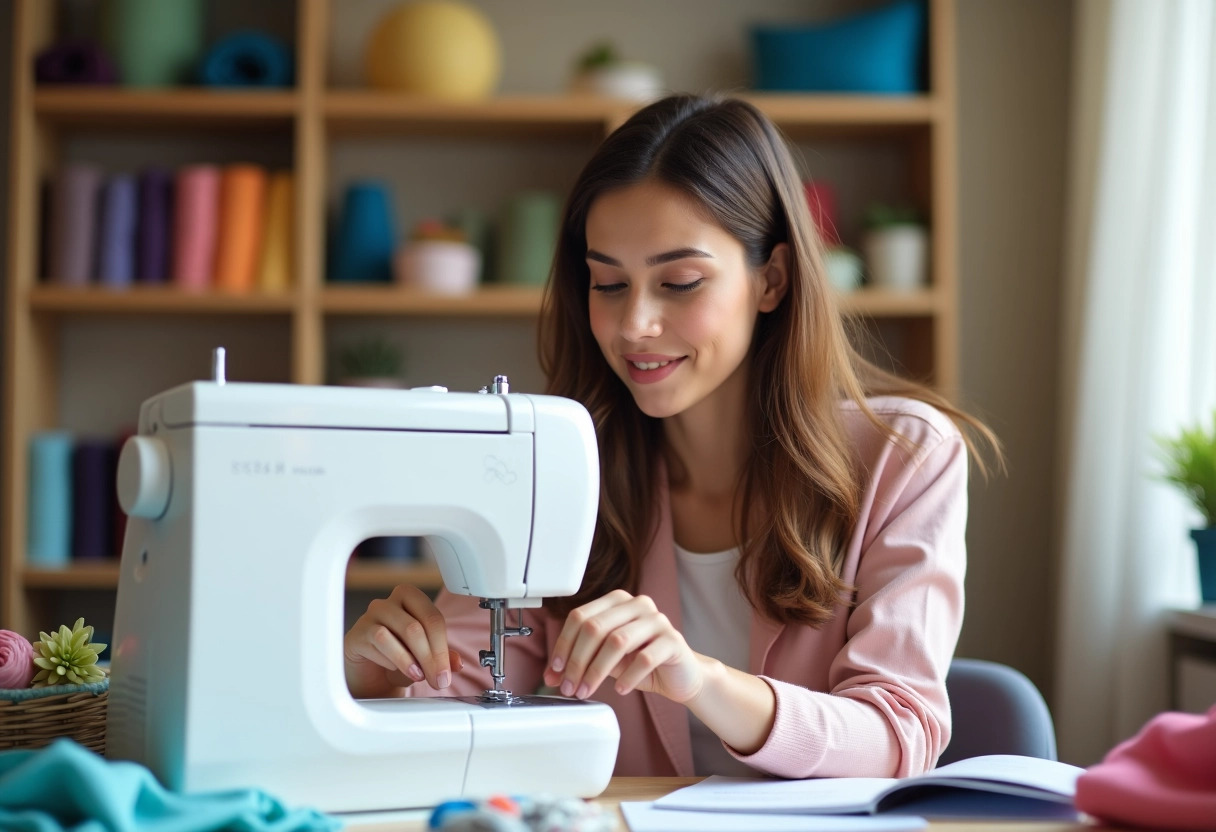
(652, 788)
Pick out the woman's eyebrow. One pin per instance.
(655, 260)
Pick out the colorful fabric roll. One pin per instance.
(156, 43)
(154, 233)
(49, 524)
(241, 217)
(247, 59)
(74, 62)
(528, 238)
(116, 260)
(74, 224)
(274, 272)
(196, 203)
(94, 471)
(363, 250)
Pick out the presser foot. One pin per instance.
(500, 697)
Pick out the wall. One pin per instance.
(1013, 62)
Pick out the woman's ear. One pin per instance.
(776, 276)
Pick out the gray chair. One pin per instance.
(996, 710)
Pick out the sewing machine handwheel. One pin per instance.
(144, 476)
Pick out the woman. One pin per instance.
(776, 580)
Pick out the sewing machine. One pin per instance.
(245, 502)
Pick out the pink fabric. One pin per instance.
(16, 661)
(864, 695)
(1162, 778)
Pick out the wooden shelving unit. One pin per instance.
(309, 119)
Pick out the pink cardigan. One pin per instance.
(865, 694)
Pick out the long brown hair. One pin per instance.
(802, 470)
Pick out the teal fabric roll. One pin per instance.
(67, 788)
(49, 530)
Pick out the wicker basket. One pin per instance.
(34, 717)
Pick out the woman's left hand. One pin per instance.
(625, 637)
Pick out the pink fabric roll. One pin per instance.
(1162, 778)
(16, 660)
(195, 225)
(74, 224)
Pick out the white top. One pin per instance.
(716, 622)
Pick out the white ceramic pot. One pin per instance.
(632, 81)
(843, 268)
(897, 257)
(440, 266)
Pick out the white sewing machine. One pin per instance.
(245, 502)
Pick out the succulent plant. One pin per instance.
(66, 657)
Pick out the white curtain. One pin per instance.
(1140, 347)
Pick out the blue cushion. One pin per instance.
(880, 51)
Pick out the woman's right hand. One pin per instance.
(400, 640)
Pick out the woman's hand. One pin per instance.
(400, 640)
(627, 638)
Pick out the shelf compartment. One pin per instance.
(90, 300)
(359, 576)
(92, 106)
(488, 301)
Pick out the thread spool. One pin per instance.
(49, 525)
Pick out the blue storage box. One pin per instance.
(880, 51)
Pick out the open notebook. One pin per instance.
(996, 786)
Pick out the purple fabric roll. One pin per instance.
(94, 469)
(116, 263)
(74, 224)
(74, 62)
(155, 225)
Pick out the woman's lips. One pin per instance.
(642, 376)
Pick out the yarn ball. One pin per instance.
(439, 48)
(16, 660)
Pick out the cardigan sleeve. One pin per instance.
(886, 713)
(469, 633)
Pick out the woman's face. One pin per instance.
(673, 302)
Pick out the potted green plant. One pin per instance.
(601, 70)
(896, 248)
(372, 361)
(1190, 464)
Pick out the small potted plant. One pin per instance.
(1190, 464)
(896, 248)
(602, 71)
(53, 687)
(373, 361)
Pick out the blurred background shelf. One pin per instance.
(83, 359)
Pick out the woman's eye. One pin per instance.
(607, 288)
(684, 287)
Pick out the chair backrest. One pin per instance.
(996, 710)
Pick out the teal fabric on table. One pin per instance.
(67, 788)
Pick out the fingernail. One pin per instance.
(583, 691)
(445, 678)
(567, 688)
(620, 688)
(558, 664)
(415, 673)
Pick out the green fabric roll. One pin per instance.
(156, 43)
(528, 238)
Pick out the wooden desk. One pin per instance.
(652, 788)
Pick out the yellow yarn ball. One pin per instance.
(439, 48)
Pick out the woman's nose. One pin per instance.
(641, 318)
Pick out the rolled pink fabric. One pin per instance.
(16, 661)
(1162, 778)
(195, 226)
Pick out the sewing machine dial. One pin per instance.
(144, 477)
